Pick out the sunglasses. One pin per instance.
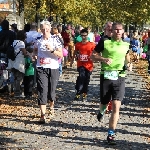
(84, 35)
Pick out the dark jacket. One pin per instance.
(6, 36)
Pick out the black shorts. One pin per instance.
(47, 80)
(111, 89)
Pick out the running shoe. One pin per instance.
(99, 116)
(84, 97)
(42, 119)
(111, 139)
(77, 97)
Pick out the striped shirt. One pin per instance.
(45, 58)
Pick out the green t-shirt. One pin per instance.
(30, 69)
(117, 52)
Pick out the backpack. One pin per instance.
(11, 52)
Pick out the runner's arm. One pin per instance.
(58, 52)
(127, 59)
(96, 56)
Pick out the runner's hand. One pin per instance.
(48, 47)
(108, 61)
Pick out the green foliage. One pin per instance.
(91, 12)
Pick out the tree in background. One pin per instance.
(91, 12)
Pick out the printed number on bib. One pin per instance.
(111, 75)
(44, 61)
(83, 57)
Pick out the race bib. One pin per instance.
(111, 75)
(83, 57)
(44, 61)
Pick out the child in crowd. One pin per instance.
(29, 74)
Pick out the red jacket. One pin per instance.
(66, 38)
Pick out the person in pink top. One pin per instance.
(65, 53)
(97, 37)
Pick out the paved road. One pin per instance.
(75, 126)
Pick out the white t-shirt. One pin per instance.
(32, 36)
(19, 62)
(17, 44)
(59, 37)
(45, 58)
(91, 36)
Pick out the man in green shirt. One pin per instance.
(115, 53)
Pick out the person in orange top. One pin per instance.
(83, 51)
